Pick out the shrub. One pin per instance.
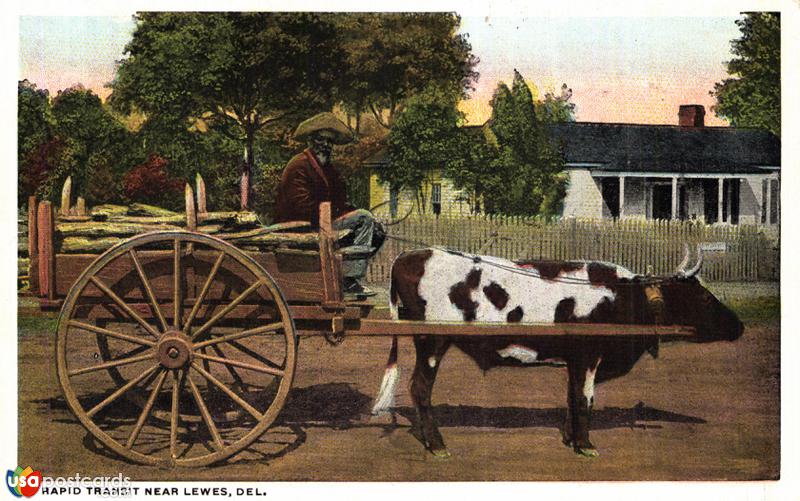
(150, 183)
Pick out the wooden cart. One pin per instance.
(200, 337)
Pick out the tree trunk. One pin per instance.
(247, 172)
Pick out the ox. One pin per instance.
(437, 285)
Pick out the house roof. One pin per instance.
(616, 147)
(667, 148)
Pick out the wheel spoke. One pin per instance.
(177, 377)
(239, 335)
(212, 428)
(243, 365)
(235, 375)
(121, 390)
(148, 289)
(135, 351)
(112, 363)
(233, 396)
(148, 406)
(176, 298)
(241, 297)
(203, 292)
(261, 358)
(122, 304)
(109, 333)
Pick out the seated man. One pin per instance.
(309, 179)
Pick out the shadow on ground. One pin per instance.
(340, 406)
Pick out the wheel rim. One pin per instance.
(209, 384)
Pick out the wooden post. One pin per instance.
(66, 194)
(765, 204)
(674, 208)
(621, 196)
(191, 215)
(80, 207)
(46, 250)
(33, 246)
(201, 194)
(332, 296)
(719, 200)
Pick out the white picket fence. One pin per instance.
(734, 253)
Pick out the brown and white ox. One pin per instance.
(435, 285)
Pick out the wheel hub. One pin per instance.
(174, 350)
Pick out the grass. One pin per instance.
(28, 325)
(756, 309)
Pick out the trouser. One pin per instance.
(364, 240)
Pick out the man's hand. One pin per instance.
(351, 212)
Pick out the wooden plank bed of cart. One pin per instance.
(200, 336)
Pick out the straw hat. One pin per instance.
(324, 121)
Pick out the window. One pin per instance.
(710, 200)
(436, 198)
(731, 190)
(610, 194)
(393, 200)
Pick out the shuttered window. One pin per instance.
(436, 198)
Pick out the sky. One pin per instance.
(620, 69)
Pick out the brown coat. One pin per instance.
(304, 184)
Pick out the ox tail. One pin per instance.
(385, 398)
(394, 299)
(384, 401)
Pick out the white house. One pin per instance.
(684, 171)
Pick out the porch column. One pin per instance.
(766, 204)
(674, 213)
(621, 196)
(719, 201)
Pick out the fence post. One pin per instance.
(47, 263)
(33, 246)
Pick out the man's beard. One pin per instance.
(323, 153)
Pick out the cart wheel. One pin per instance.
(201, 357)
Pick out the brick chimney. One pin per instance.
(691, 115)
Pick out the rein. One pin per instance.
(653, 282)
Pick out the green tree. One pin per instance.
(237, 73)
(751, 97)
(524, 175)
(391, 57)
(555, 108)
(95, 148)
(34, 118)
(424, 137)
(472, 167)
(35, 148)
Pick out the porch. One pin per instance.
(709, 198)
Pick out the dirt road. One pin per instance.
(697, 412)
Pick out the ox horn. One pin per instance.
(696, 267)
(682, 267)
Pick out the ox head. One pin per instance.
(688, 302)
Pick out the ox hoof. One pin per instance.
(440, 453)
(589, 452)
